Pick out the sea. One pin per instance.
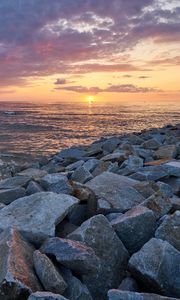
(46, 128)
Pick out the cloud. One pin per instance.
(143, 77)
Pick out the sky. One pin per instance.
(78, 50)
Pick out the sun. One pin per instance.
(90, 99)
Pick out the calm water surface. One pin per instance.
(47, 128)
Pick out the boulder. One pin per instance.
(156, 266)
(166, 151)
(173, 168)
(81, 175)
(150, 173)
(102, 167)
(146, 188)
(72, 153)
(33, 187)
(165, 188)
(98, 234)
(118, 156)
(175, 202)
(78, 214)
(75, 165)
(111, 144)
(56, 183)
(17, 277)
(48, 275)
(14, 182)
(169, 230)
(117, 190)
(151, 144)
(9, 195)
(174, 183)
(134, 139)
(33, 173)
(46, 296)
(129, 284)
(37, 215)
(126, 295)
(133, 163)
(71, 254)
(135, 227)
(91, 164)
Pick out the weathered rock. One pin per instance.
(103, 206)
(146, 188)
(33, 187)
(13, 182)
(166, 151)
(78, 214)
(56, 183)
(17, 277)
(122, 295)
(135, 227)
(156, 266)
(152, 144)
(2, 206)
(174, 182)
(175, 201)
(134, 139)
(150, 173)
(165, 188)
(113, 216)
(37, 215)
(48, 275)
(64, 228)
(173, 168)
(76, 290)
(117, 190)
(129, 284)
(133, 162)
(46, 296)
(33, 173)
(9, 195)
(159, 203)
(98, 234)
(75, 165)
(169, 230)
(91, 164)
(74, 255)
(74, 153)
(81, 175)
(111, 144)
(118, 156)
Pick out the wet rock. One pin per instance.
(17, 277)
(13, 182)
(156, 266)
(56, 183)
(173, 168)
(81, 175)
(48, 275)
(150, 173)
(169, 230)
(46, 296)
(159, 203)
(98, 234)
(9, 195)
(33, 187)
(166, 151)
(123, 295)
(37, 215)
(129, 284)
(135, 227)
(151, 144)
(71, 254)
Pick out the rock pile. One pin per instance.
(97, 222)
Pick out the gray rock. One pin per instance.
(76, 290)
(111, 144)
(104, 165)
(91, 164)
(118, 156)
(165, 188)
(71, 254)
(9, 195)
(113, 216)
(135, 227)
(123, 295)
(159, 203)
(75, 165)
(33, 187)
(103, 206)
(175, 202)
(169, 230)
(133, 162)
(151, 144)
(17, 277)
(174, 182)
(98, 234)
(173, 168)
(49, 277)
(166, 151)
(46, 296)
(73, 152)
(2, 206)
(13, 182)
(33, 173)
(146, 188)
(117, 190)
(129, 284)
(78, 214)
(56, 183)
(134, 139)
(156, 266)
(150, 173)
(37, 215)
(81, 175)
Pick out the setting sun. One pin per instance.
(90, 99)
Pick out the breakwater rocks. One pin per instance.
(100, 222)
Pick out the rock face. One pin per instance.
(9, 195)
(121, 295)
(49, 277)
(46, 296)
(56, 183)
(135, 227)
(98, 234)
(71, 254)
(117, 190)
(169, 230)
(37, 215)
(17, 277)
(156, 266)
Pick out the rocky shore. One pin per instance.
(97, 222)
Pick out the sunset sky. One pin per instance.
(54, 50)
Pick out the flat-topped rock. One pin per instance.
(37, 215)
(74, 153)
(56, 183)
(14, 182)
(9, 195)
(33, 173)
(123, 295)
(150, 173)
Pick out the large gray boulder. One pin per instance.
(117, 190)
(151, 144)
(173, 168)
(98, 234)
(72, 153)
(56, 183)
(150, 173)
(48, 275)
(37, 215)
(46, 296)
(122, 295)
(166, 151)
(17, 277)
(156, 266)
(81, 175)
(135, 227)
(169, 230)
(33, 173)
(9, 195)
(14, 182)
(71, 254)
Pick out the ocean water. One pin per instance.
(45, 128)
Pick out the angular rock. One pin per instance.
(13, 182)
(78, 214)
(150, 173)
(146, 188)
(33, 187)
(74, 153)
(151, 144)
(33, 173)
(91, 164)
(46, 296)
(117, 190)
(135, 227)
(98, 234)
(175, 201)
(56, 183)
(173, 168)
(169, 230)
(122, 295)
(17, 277)
(103, 206)
(174, 182)
(134, 139)
(9, 195)
(111, 144)
(133, 162)
(37, 215)
(159, 203)
(118, 156)
(165, 188)
(113, 216)
(166, 151)
(81, 175)
(71, 254)
(48, 275)
(104, 165)
(129, 284)
(75, 165)
(156, 266)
